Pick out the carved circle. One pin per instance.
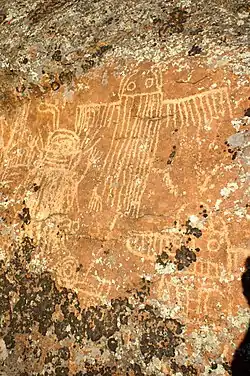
(149, 82)
(213, 245)
(67, 271)
(131, 86)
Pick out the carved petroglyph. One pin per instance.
(95, 203)
(193, 116)
(138, 116)
(166, 178)
(57, 178)
(136, 119)
(112, 147)
(214, 272)
(18, 150)
(200, 303)
(149, 244)
(198, 298)
(72, 274)
(134, 142)
(57, 175)
(52, 234)
(67, 271)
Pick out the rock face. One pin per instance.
(124, 223)
(124, 188)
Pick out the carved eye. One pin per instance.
(213, 245)
(149, 82)
(131, 86)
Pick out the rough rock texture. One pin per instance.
(124, 202)
(41, 40)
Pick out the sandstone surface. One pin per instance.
(124, 202)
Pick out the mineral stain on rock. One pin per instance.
(25, 215)
(172, 155)
(193, 230)
(36, 312)
(184, 257)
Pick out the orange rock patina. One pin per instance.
(131, 177)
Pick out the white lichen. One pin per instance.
(240, 321)
(229, 189)
(196, 222)
(37, 264)
(168, 268)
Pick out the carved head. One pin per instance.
(62, 145)
(142, 82)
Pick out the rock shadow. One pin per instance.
(241, 361)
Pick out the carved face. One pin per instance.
(149, 81)
(63, 143)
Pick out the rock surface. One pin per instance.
(124, 187)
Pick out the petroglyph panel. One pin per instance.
(129, 180)
(134, 140)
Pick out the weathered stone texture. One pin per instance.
(124, 226)
(124, 187)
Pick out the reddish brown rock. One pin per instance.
(137, 176)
